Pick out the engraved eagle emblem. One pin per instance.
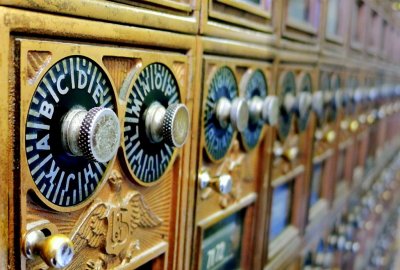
(112, 224)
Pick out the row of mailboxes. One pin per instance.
(178, 155)
(301, 25)
(352, 234)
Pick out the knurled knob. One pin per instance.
(170, 125)
(99, 134)
(303, 104)
(175, 128)
(56, 250)
(357, 96)
(94, 134)
(235, 112)
(267, 109)
(318, 101)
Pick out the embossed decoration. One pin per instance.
(287, 86)
(305, 86)
(256, 86)
(148, 160)
(110, 225)
(217, 138)
(63, 180)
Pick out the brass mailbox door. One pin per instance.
(100, 164)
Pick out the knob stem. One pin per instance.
(94, 134)
(56, 250)
(170, 125)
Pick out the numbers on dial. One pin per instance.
(255, 87)
(61, 179)
(148, 160)
(218, 139)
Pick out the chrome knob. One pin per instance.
(94, 134)
(302, 104)
(170, 125)
(222, 184)
(373, 94)
(318, 104)
(55, 250)
(235, 112)
(338, 99)
(266, 109)
(289, 102)
(358, 96)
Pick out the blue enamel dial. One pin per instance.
(148, 160)
(256, 86)
(64, 180)
(287, 86)
(305, 86)
(218, 139)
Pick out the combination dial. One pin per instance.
(225, 113)
(287, 100)
(303, 101)
(263, 109)
(72, 132)
(156, 123)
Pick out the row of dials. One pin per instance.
(73, 130)
(227, 112)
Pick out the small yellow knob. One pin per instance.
(354, 126)
(291, 153)
(330, 136)
(371, 119)
(56, 250)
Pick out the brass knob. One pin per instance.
(55, 250)
(94, 134)
(330, 136)
(354, 126)
(222, 184)
(235, 112)
(291, 153)
(170, 125)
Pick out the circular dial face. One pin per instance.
(255, 87)
(305, 86)
(63, 180)
(335, 86)
(217, 138)
(148, 160)
(287, 86)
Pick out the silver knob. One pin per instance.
(170, 125)
(266, 109)
(289, 102)
(318, 100)
(373, 94)
(235, 112)
(56, 250)
(358, 96)
(302, 104)
(94, 134)
(223, 183)
(338, 99)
